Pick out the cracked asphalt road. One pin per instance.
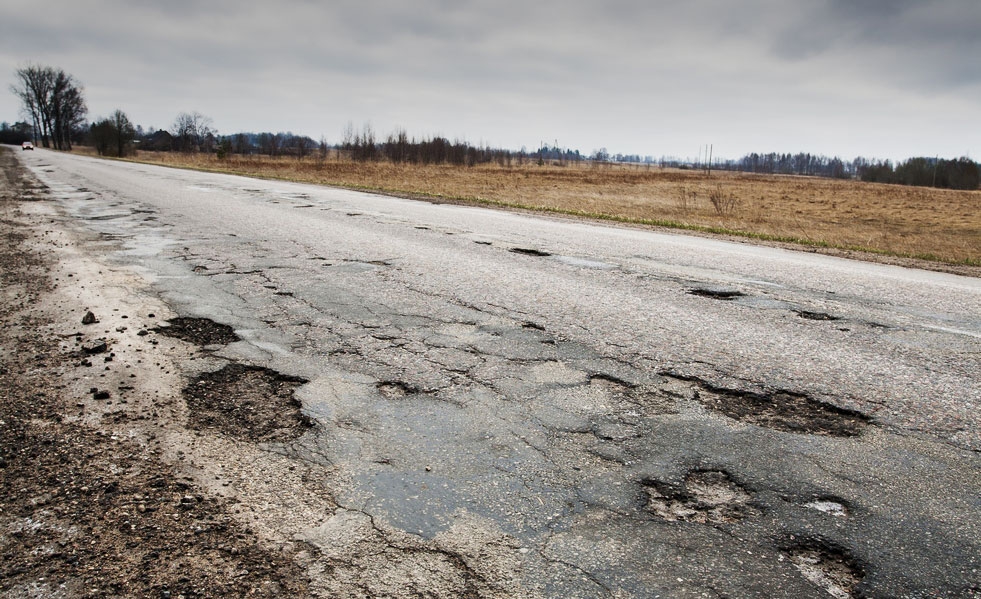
(503, 405)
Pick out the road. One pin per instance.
(497, 404)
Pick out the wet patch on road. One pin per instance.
(248, 403)
(706, 497)
(719, 294)
(785, 411)
(200, 331)
(827, 566)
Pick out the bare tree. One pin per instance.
(124, 132)
(193, 132)
(322, 149)
(113, 136)
(54, 102)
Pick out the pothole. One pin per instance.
(200, 331)
(827, 567)
(706, 497)
(610, 384)
(396, 389)
(719, 294)
(830, 506)
(246, 402)
(784, 411)
(815, 315)
(529, 252)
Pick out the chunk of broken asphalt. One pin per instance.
(96, 346)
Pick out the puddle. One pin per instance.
(200, 331)
(246, 402)
(784, 411)
(829, 568)
(719, 294)
(706, 497)
(529, 252)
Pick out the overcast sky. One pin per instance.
(882, 78)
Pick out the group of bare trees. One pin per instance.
(399, 148)
(961, 173)
(194, 132)
(53, 101)
(113, 136)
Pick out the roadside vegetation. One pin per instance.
(922, 208)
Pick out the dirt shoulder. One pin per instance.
(93, 499)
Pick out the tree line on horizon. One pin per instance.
(53, 102)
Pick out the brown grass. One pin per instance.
(929, 224)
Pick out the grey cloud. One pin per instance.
(629, 65)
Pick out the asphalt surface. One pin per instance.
(599, 411)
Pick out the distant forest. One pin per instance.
(56, 109)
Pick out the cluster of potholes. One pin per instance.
(727, 295)
(712, 293)
(257, 404)
(248, 403)
(713, 497)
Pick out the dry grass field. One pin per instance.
(935, 225)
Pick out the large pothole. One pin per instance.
(200, 331)
(784, 411)
(827, 567)
(246, 402)
(706, 497)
